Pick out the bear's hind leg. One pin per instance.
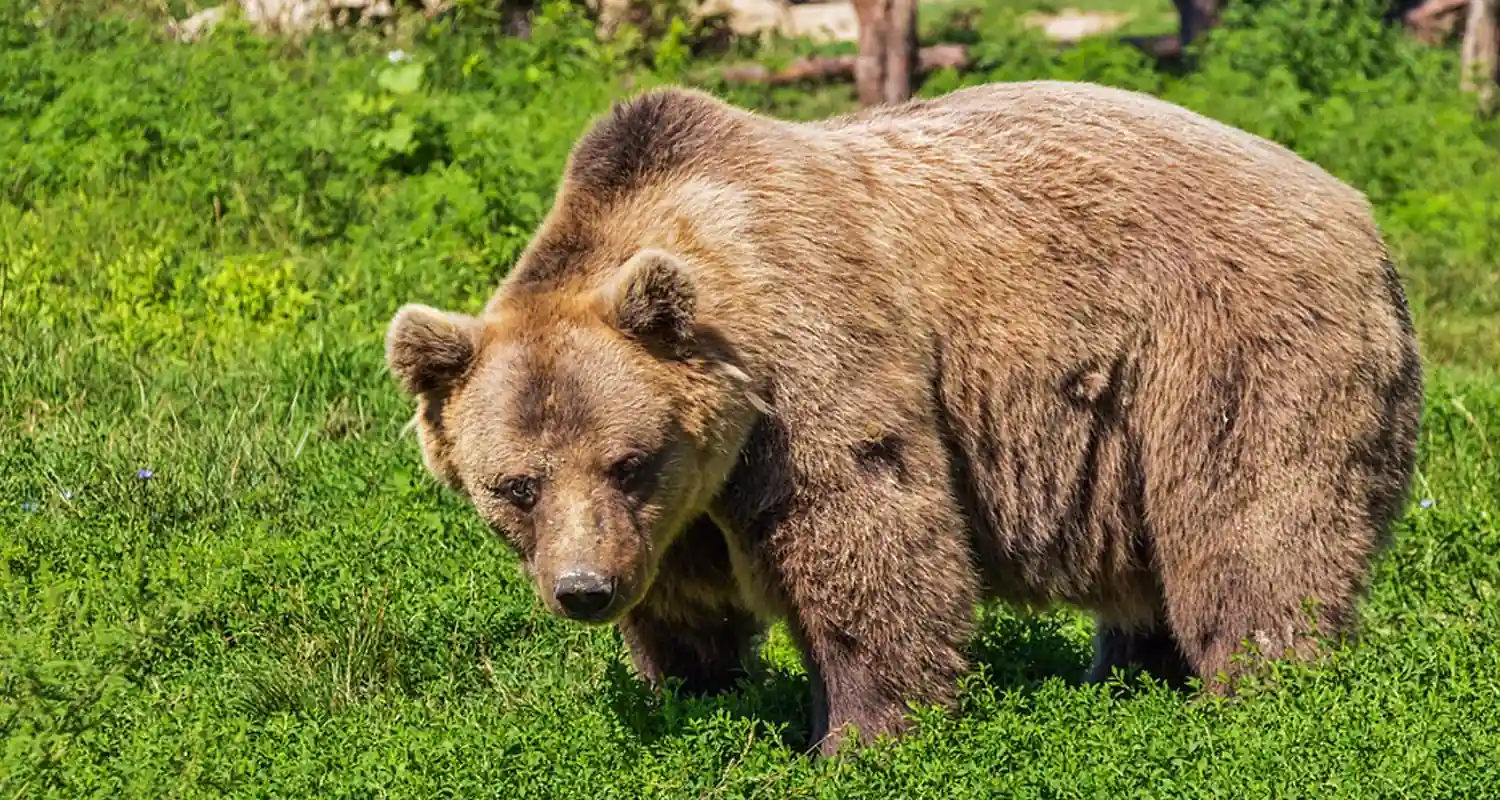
(1221, 598)
(1274, 462)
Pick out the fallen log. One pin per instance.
(841, 68)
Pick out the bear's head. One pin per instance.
(587, 426)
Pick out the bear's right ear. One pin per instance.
(651, 296)
(427, 349)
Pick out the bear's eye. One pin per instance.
(630, 472)
(519, 491)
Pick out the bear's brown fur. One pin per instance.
(1042, 342)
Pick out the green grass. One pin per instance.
(201, 247)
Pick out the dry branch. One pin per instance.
(841, 68)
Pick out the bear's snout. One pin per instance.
(584, 595)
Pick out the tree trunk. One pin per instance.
(1480, 50)
(885, 69)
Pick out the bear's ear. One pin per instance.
(652, 296)
(427, 349)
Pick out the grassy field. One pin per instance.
(223, 571)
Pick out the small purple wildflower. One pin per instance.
(145, 474)
(28, 507)
(1427, 502)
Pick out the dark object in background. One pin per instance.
(1196, 16)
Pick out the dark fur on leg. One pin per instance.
(708, 654)
(691, 626)
(1153, 650)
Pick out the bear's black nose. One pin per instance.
(584, 595)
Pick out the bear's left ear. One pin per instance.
(652, 296)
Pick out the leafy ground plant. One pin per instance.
(223, 572)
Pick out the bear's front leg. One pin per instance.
(881, 593)
(691, 625)
(708, 653)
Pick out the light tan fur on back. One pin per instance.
(1043, 342)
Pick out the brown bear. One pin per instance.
(1041, 342)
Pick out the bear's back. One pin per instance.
(1005, 199)
(1043, 196)
(1132, 129)
(1107, 157)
